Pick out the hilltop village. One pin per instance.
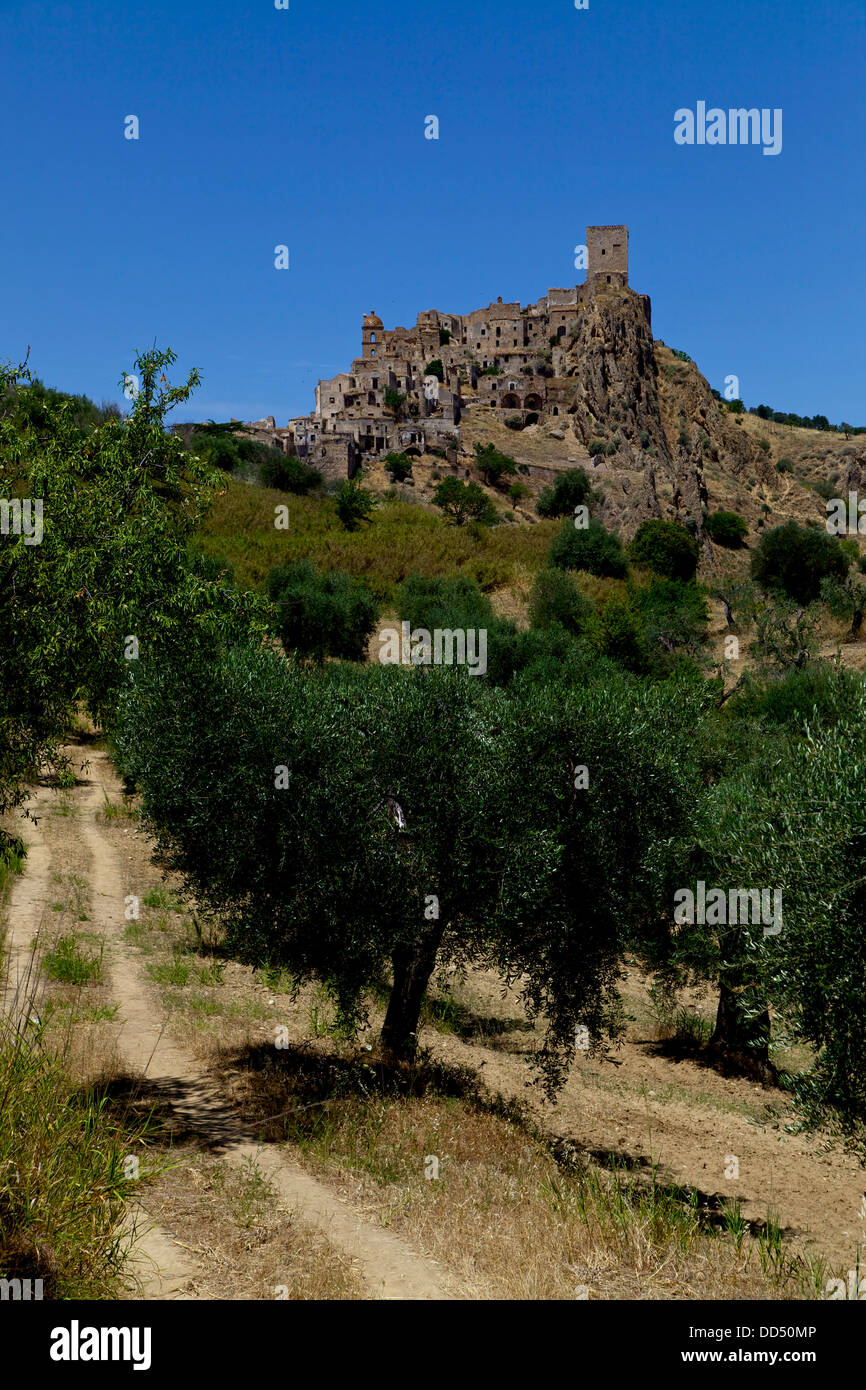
(410, 387)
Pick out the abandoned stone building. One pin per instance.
(407, 391)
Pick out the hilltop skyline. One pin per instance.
(309, 131)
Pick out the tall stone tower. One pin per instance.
(607, 259)
(371, 335)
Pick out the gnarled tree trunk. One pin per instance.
(413, 966)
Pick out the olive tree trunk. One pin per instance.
(413, 965)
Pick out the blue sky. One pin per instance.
(305, 127)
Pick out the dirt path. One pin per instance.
(28, 899)
(390, 1269)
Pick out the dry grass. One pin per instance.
(247, 1246)
(403, 538)
(472, 1184)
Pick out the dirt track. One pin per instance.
(391, 1270)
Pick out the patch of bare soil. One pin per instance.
(640, 1104)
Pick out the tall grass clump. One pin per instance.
(62, 1180)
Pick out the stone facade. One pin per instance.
(607, 258)
(507, 357)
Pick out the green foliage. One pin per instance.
(457, 603)
(674, 619)
(399, 466)
(222, 446)
(63, 1187)
(851, 549)
(70, 965)
(597, 446)
(444, 337)
(726, 528)
(395, 401)
(803, 832)
(683, 356)
(329, 878)
(591, 548)
(463, 502)
(793, 560)
(517, 492)
(31, 408)
(621, 637)
(666, 548)
(785, 634)
(285, 473)
(355, 503)
(825, 489)
(492, 465)
(556, 598)
(571, 489)
(435, 368)
(321, 615)
(816, 694)
(120, 503)
(785, 465)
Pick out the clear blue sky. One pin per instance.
(305, 127)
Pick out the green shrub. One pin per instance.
(825, 489)
(851, 549)
(355, 503)
(794, 559)
(816, 694)
(556, 598)
(621, 637)
(435, 368)
(785, 465)
(464, 502)
(399, 466)
(591, 548)
(597, 446)
(726, 528)
(571, 489)
(517, 492)
(493, 465)
(321, 614)
(395, 401)
(666, 548)
(288, 474)
(674, 619)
